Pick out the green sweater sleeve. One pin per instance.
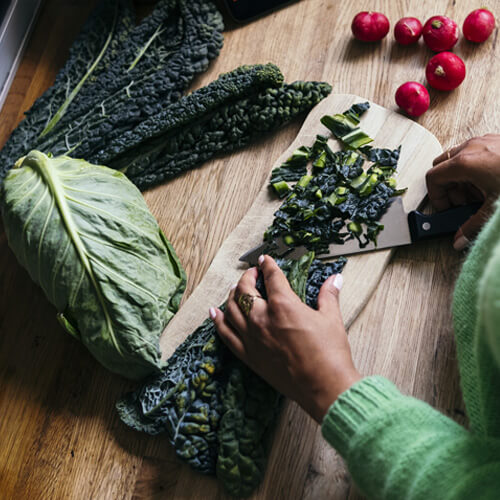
(397, 447)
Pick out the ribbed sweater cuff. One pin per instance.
(354, 407)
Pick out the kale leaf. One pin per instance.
(118, 75)
(227, 114)
(156, 63)
(217, 413)
(91, 54)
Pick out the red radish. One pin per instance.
(440, 33)
(445, 71)
(478, 25)
(370, 26)
(407, 30)
(413, 98)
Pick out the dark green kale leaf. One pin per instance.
(118, 75)
(228, 114)
(250, 408)
(217, 413)
(91, 54)
(185, 400)
(384, 157)
(156, 63)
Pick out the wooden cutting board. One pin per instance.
(289, 458)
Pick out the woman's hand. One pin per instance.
(301, 352)
(464, 174)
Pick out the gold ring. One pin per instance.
(245, 302)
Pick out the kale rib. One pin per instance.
(67, 102)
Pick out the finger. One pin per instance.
(248, 282)
(458, 195)
(328, 297)
(234, 315)
(474, 195)
(227, 334)
(470, 229)
(450, 153)
(440, 180)
(274, 279)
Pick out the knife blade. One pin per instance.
(400, 228)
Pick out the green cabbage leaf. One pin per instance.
(86, 236)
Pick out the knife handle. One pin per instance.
(424, 226)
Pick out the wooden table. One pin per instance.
(60, 436)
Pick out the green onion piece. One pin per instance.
(304, 180)
(339, 125)
(352, 158)
(391, 182)
(288, 239)
(318, 194)
(320, 161)
(299, 156)
(355, 227)
(369, 185)
(358, 181)
(376, 170)
(281, 188)
(332, 199)
(356, 139)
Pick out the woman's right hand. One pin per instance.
(464, 174)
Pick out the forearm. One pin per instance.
(399, 447)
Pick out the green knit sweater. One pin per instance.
(399, 447)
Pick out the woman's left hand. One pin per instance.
(301, 352)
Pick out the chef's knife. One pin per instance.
(400, 228)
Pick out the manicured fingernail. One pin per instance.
(212, 312)
(338, 282)
(233, 287)
(260, 260)
(460, 243)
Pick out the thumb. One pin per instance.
(328, 297)
(471, 227)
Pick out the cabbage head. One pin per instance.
(87, 237)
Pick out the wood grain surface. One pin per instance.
(59, 434)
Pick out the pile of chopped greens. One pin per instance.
(217, 413)
(335, 196)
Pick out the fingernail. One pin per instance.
(212, 312)
(460, 243)
(260, 260)
(338, 282)
(233, 287)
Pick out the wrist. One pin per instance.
(325, 394)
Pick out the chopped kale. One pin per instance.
(342, 198)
